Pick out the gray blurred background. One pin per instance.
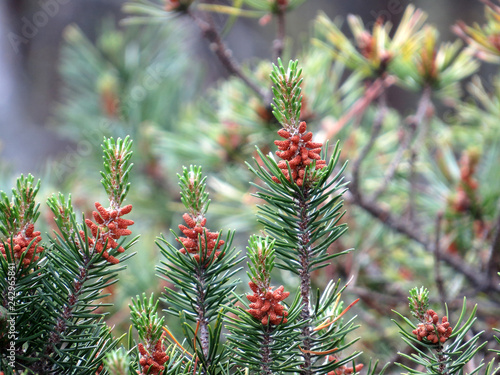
(31, 34)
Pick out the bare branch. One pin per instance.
(224, 54)
(437, 259)
(402, 226)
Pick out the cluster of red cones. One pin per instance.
(343, 370)
(266, 305)
(197, 234)
(24, 243)
(432, 330)
(299, 151)
(108, 230)
(152, 363)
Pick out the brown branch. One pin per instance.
(372, 92)
(224, 54)
(279, 41)
(404, 227)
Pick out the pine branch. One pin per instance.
(57, 290)
(302, 212)
(439, 348)
(263, 334)
(201, 270)
(22, 267)
(304, 227)
(80, 278)
(149, 325)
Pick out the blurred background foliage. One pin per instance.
(415, 112)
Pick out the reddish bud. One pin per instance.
(307, 137)
(283, 133)
(302, 127)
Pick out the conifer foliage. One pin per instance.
(303, 196)
(264, 333)
(51, 285)
(201, 271)
(267, 334)
(440, 348)
(50, 288)
(150, 327)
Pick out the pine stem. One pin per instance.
(266, 353)
(305, 281)
(61, 325)
(442, 360)
(202, 319)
